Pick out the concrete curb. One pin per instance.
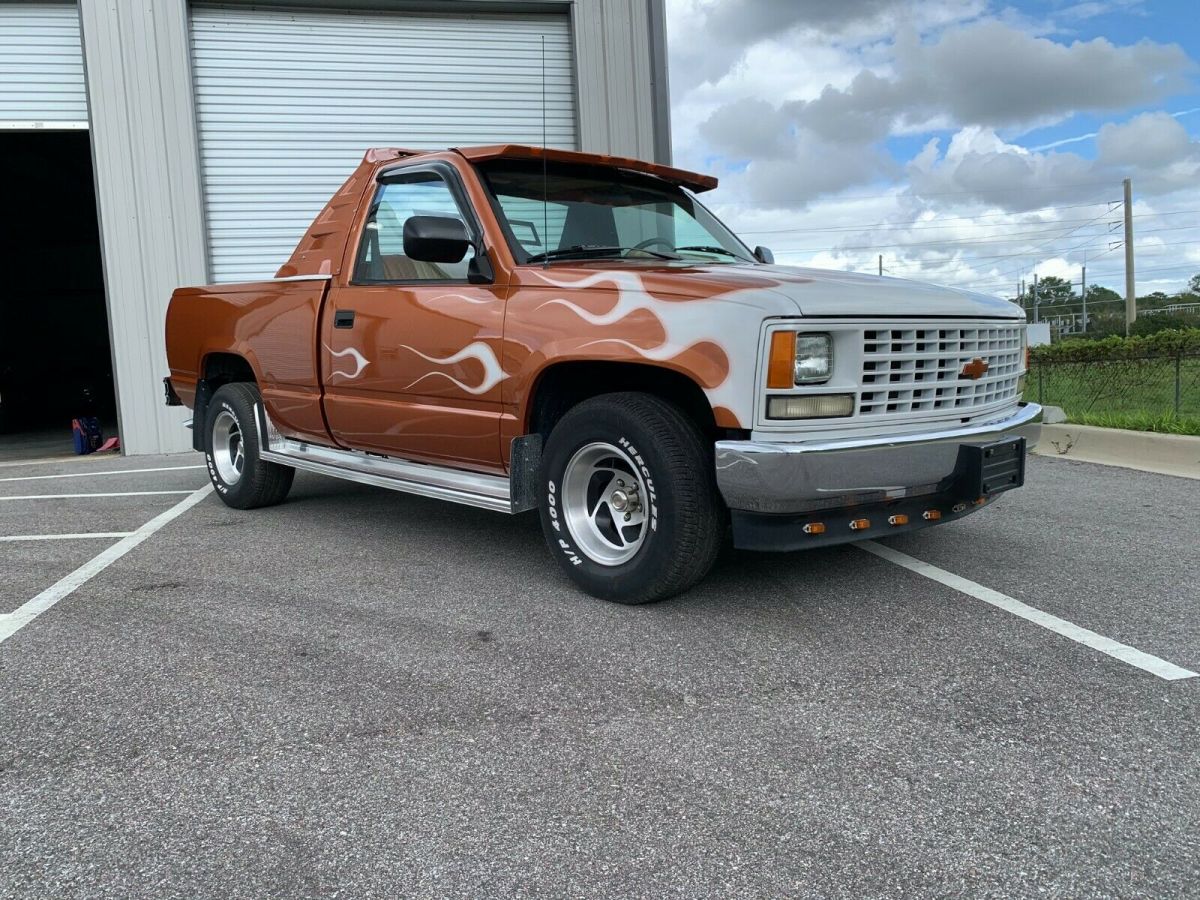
(1166, 454)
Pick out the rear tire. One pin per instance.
(629, 502)
(231, 449)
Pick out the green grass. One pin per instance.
(1134, 394)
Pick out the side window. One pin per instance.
(381, 251)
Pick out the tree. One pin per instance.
(1154, 300)
(1053, 289)
(1098, 293)
(1194, 285)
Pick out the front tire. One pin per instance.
(629, 503)
(239, 476)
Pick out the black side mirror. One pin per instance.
(435, 239)
(763, 255)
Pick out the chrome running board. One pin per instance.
(425, 480)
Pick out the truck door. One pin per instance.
(410, 350)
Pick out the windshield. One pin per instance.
(601, 212)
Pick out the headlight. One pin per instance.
(799, 359)
(814, 358)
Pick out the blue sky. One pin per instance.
(969, 142)
(1166, 22)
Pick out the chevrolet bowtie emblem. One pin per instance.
(975, 368)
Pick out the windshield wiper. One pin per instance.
(721, 250)
(582, 251)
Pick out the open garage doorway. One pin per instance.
(55, 362)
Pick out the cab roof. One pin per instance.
(692, 180)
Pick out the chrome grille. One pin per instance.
(919, 369)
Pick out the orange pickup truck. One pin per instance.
(516, 328)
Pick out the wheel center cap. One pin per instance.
(619, 501)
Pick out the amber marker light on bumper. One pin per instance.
(822, 406)
(899, 519)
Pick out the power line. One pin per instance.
(1030, 252)
(1094, 280)
(1015, 238)
(978, 193)
(973, 219)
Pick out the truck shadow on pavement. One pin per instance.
(484, 550)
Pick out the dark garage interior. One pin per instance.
(55, 362)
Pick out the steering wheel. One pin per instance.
(650, 242)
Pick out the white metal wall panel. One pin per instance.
(288, 100)
(148, 190)
(41, 66)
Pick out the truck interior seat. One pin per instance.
(398, 267)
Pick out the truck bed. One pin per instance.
(274, 325)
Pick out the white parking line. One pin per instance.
(70, 496)
(109, 472)
(13, 622)
(1126, 654)
(64, 537)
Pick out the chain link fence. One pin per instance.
(1155, 393)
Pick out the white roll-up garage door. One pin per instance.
(287, 101)
(41, 66)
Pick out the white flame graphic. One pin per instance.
(360, 362)
(686, 323)
(493, 374)
(474, 301)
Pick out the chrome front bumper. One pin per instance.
(782, 478)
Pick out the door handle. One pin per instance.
(343, 318)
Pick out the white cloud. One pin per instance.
(1149, 140)
(794, 105)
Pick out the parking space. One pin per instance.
(364, 692)
(1113, 550)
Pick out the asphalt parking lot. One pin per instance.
(360, 693)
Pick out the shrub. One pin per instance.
(1169, 342)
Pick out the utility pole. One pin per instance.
(1036, 317)
(880, 265)
(1130, 289)
(1084, 295)
(1020, 301)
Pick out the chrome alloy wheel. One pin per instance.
(228, 451)
(604, 502)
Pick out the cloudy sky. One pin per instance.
(971, 143)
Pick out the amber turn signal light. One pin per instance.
(931, 515)
(781, 366)
(860, 524)
(814, 528)
(981, 501)
(899, 519)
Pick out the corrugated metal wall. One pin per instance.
(287, 101)
(41, 66)
(623, 95)
(148, 191)
(145, 153)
